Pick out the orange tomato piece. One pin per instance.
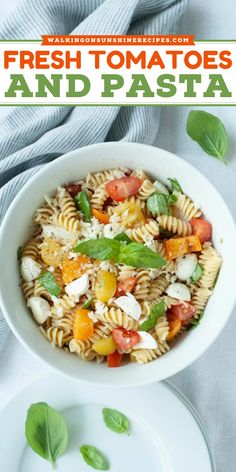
(73, 268)
(194, 244)
(176, 247)
(174, 326)
(83, 325)
(102, 217)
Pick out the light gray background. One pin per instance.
(210, 383)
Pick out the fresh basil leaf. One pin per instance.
(194, 322)
(138, 255)
(197, 273)
(94, 457)
(209, 132)
(123, 237)
(19, 253)
(175, 185)
(83, 204)
(103, 249)
(88, 303)
(156, 312)
(48, 281)
(46, 432)
(115, 420)
(159, 204)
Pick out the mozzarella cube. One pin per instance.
(78, 287)
(29, 268)
(40, 309)
(179, 291)
(185, 266)
(147, 341)
(129, 305)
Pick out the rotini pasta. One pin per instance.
(121, 277)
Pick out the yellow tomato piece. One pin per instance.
(52, 253)
(83, 325)
(130, 214)
(104, 346)
(105, 286)
(176, 247)
(73, 268)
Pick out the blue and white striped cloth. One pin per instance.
(33, 136)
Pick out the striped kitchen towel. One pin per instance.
(33, 136)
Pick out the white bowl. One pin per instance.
(73, 166)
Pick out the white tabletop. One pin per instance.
(211, 382)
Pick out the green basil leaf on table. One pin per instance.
(94, 457)
(46, 432)
(156, 312)
(159, 204)
(209, 132)
(103, 248)
(175, 186)
(115, 420)
(197, 273)
(138, 255)
(123, 237)
(83, 204)
(48, 281)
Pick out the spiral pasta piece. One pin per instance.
(66, 222)
(31, 249)
(175, 225)
(99, 197)
(116, 317)
(141, 289)
(186, 206)
(43, 215)
(211, 262)
(162, 329)
(143, 356)
(27, 289)
(200, 299)
(101, 331)
(94, 180)
(67, 204)
(56, 336)
(144, 233)
(157, 287)
(147, 188)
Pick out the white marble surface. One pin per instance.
(211, 382)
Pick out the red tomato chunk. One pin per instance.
(120, 189)
(201, 228)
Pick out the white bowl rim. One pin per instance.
(130, 382)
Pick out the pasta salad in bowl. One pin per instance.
(118, 266)
(122, 261)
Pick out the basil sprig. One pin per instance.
(159, 204)
(115, 420)
(197, 273)
(94, 457)
(48, 281)
(209, 132)
(175, 185)
(194, 322)
(133, 254)
(156, 312)
(123, 237)
(46, 432)
(83, 204)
